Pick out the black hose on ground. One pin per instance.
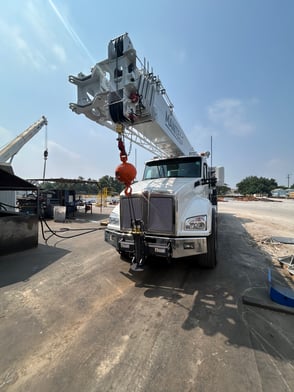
(55, 232)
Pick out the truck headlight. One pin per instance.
(113, 220)
(198, 222)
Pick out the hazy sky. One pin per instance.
(227, 66)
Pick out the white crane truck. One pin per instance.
(172, 212)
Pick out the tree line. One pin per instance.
(248, 186)
(258, 185)
(85, 186)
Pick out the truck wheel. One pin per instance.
(125, 256)
(209, 260)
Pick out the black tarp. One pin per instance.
(18, 231)
(10, 182)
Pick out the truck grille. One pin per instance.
(131, 207)
(156, 211)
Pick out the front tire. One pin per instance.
(125, 256)
(209, 259)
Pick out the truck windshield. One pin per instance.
(175, 167)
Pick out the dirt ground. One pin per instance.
(73, 317)
(267, 221)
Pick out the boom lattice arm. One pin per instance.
(117, 91)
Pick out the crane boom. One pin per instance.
(9, 151)
(119, 92)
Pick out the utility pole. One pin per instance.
(288, 177)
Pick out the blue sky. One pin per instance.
(227, 66)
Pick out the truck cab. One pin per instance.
(174, 209)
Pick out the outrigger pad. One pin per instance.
(136, 267)
(280, 294)
(284, 240)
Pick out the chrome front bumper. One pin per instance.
(158, 246)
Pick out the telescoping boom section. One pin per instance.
(11, 149)
(118, 91)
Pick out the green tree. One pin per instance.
(223, 190)
(256, 185)
(112, 184)
(88, 187)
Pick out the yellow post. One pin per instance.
(104, 190)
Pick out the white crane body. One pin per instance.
(118, 91)
(11, 149)
(172, 212)
(7, 153)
